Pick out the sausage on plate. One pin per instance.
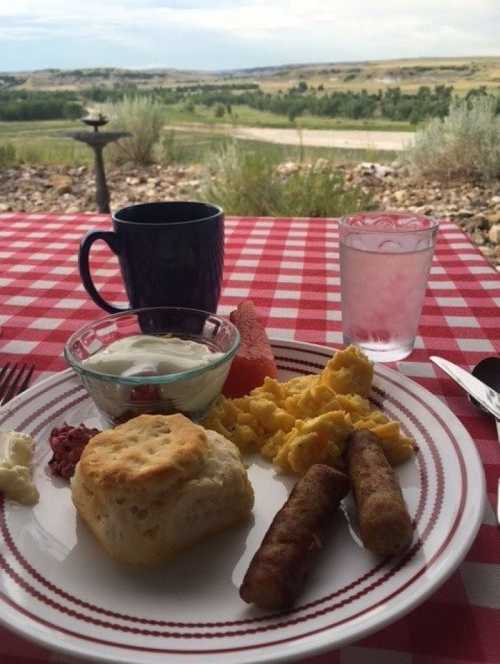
(384, 522)
(279, 568)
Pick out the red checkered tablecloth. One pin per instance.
(290, 268)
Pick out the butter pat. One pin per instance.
(16, 452)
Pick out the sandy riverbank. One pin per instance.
(327, 138)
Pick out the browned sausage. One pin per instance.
(279, 567)
(384, 522)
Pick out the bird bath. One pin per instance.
(97, 141)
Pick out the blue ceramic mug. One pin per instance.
(170, 254)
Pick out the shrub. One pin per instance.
(243, 183)
(143, 118)
(7, 154)
(464, 144)
(170, 150)
(249, 183)
(320, 192)
(219, 111)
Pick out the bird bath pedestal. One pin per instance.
(97, 140)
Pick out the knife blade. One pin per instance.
(488, 398)
(497, 422)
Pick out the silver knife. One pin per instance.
(488, 398)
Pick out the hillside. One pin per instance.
(462, 73)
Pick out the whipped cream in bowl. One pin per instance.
(154, 360)
(147, 355)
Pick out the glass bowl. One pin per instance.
(190, 391)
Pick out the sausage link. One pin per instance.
(384, 522)
(279, 568)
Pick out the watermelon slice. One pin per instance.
(255, 359)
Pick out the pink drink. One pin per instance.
(385, 260)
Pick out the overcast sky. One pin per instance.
(224, 34)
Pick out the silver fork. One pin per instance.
(14, 379)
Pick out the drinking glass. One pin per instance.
(385, 260)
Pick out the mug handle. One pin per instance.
(111, 240)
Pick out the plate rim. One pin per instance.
(301, 647)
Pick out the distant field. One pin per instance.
(241, 116)
(43, 142)
(250, 117)
(44, 127)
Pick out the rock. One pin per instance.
(61, 183)
(493, 218)
(495, 200)
(469, 225)
(400, 196)
(288, 168)
(487, 251)
(478, 238)
(321, 164)
(494, 234)
(376, 170)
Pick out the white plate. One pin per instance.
(58, 588)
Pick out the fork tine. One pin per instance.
(26, 380)
(14, 380)
(12, 389)
(4, 385)
(3, 370)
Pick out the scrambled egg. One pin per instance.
(308, 419)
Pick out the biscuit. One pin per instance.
(156, 485)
